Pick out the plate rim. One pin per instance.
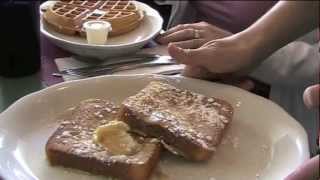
(301, 131)
(62, 40)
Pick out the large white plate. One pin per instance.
(119, 45)
(264, 142)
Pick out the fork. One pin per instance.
(114, 69)
(122, 61)
(170, 72)
(166, 73)
(117, 61)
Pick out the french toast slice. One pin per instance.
(72, 145)
(188, 123)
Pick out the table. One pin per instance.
(11, 89)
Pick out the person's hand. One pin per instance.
(192, 35)
(217, 59)
(311, 96)
(309, 169)
(201, 73)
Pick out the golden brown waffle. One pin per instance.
(84, 4)
(68, 17)
(118, 6)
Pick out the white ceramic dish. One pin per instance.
(263, 143)
(119, 45)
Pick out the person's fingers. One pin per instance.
(176, 52)
(308, 170)
(183, 26)
(197, 72)
(172, 30)
(195, 57)
(198, 26)
(182, 35)
(311, 96)
(245, 84)
(175, 29)
(190, 44)
(209, 43)
(203, 73)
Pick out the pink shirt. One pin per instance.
(233, 16)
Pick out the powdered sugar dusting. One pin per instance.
(183, 113)
(76, 131)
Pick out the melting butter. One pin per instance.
(115, 138)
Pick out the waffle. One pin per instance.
(72, 145)
(188, 124)
(67, 17)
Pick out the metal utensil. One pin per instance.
(138, 59)
(161, 61)
(118, 59)
(170, 72)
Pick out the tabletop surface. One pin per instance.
(11, 89)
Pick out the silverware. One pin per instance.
(122, 61)
(167, 73)
(82, 72)
(136, 58)
(119, 59)
(170, 72)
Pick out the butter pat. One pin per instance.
(97, 31)
(115, 138)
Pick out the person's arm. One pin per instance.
(298, 63)
(285, 22)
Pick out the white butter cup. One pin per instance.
(97, 31)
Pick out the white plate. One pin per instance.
(264, 142)
(127, 43)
